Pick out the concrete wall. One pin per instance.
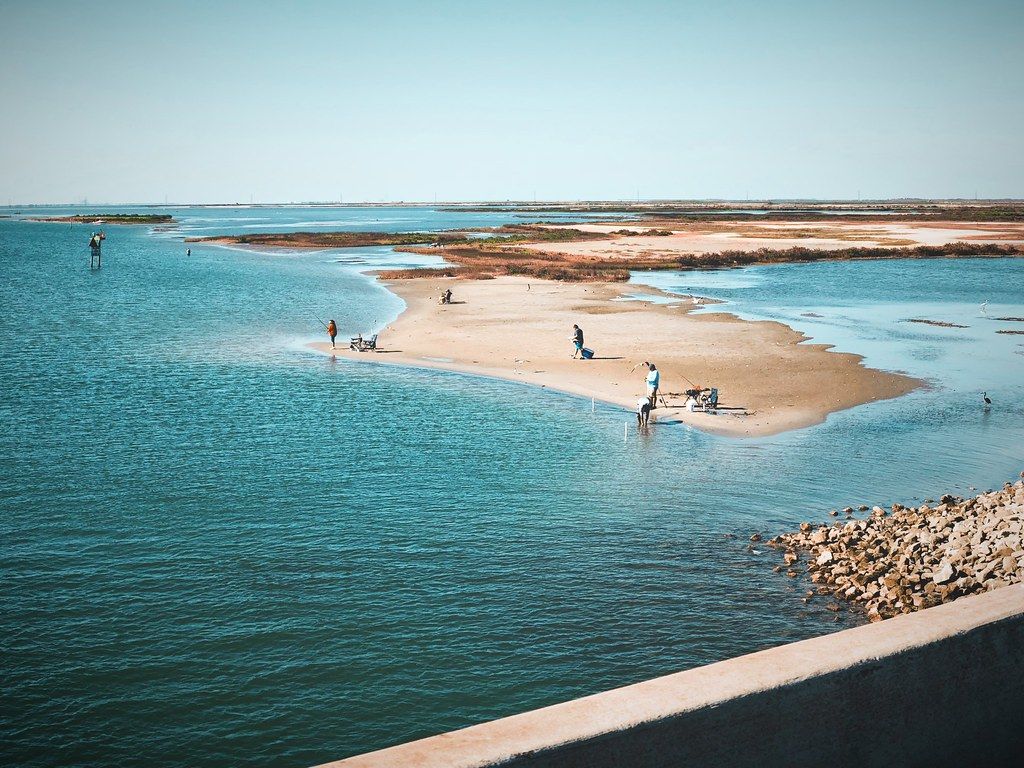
(940, 687)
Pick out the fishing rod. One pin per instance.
(688, 380)
(681, 374)
(663, 403)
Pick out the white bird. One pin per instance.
(986, 398)
(984, 307)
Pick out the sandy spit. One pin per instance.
(518, 329)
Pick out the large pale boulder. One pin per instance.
(944, 574)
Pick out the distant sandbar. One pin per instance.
(110, 218)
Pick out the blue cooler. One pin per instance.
(587, 353)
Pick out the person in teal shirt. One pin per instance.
(653, 382)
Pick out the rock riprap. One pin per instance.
(907, 558)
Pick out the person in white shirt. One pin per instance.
(653, 381)
(643, 412)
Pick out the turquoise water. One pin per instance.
(868, 308)
(219, 548)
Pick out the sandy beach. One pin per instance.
(518, 329)
(706, 238)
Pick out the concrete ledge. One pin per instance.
(943, 686)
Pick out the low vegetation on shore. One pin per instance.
(863, 212)
(498, 236)
(885, 215)
(112, 218)
(481, 262)
(937, 323)
(491, 260)
(646, 233)
(487, 253)
(324, 239)
(801, 254)
(908, 558)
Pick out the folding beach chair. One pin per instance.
(709, 402)
(359, 344)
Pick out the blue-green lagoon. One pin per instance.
(220, 548)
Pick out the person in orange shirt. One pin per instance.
(332, 331)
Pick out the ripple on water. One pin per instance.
(210, 533)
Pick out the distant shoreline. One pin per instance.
(108, 218)
(609, 251)
(780, 205)
(837, 210)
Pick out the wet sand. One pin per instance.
(518, 329)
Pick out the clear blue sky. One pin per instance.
(289, 101)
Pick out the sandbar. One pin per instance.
(769, 379)
(707, 238)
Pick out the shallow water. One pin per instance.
(219, 548)
(869, 308)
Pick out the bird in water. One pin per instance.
(984, 307)
(986, 398)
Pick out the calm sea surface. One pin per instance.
(218, 548)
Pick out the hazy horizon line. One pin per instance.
(85, 203)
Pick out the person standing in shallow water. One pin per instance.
(643, 412)
(577, 340)
(332, 331)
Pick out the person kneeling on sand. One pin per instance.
(577, 340)
(653, 380)
(643, 412)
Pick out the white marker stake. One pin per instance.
(591, 405)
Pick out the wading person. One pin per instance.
(332, 331)
(577, 340)
(643, 412)
(653, 381)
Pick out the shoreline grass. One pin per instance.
(110, 218)
(482, 263)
